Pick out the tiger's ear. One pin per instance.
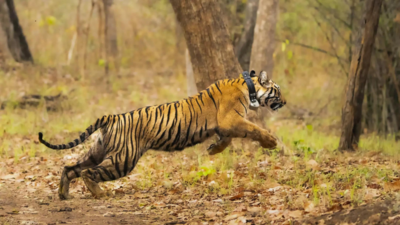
(253, 73)
(263, 78)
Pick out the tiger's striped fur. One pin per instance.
(220, 109)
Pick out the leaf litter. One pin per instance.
(230, 188)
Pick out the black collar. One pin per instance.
(252, 90)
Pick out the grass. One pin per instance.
(240, 167)
(310, 174)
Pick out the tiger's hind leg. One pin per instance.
(91, 159)
(114, 166)
(220, 146)
(105, 171)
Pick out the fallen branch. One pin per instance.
(52, 103)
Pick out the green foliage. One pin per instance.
(101, 62)
(205, 171)
(48, 21)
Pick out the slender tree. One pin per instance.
(110, 34)
(207, 39)
(191, 84)
(16, 42)
(243, 47)
(352, 108)
(264, 37)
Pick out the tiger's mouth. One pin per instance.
(274, 106)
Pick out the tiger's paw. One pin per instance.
(213, 149)
(269, 143)
(65, 196)
(103, 195)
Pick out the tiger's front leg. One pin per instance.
(240, 127)
(220, 146)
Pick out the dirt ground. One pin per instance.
(15, 208)
(28, 195)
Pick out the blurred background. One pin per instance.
(90, 58)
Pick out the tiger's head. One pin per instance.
(269, 93)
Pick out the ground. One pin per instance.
(263, 188)
(304, 181)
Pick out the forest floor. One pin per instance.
(308, 183)
(191, 187)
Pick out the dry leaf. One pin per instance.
(233, 216)
(397, 19)
(313, 164)
(393, 186)
(210, 214)
(236, 197)
(335, 207)
(371, 193)
(296, 214)
(309, 206)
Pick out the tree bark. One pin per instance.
(207, 39)
(110, 35)
(352, 109)
(264, 37)
(243, 47)
(16, 42)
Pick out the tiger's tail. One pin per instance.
(90, 130)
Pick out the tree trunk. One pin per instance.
(207, 39)
(264, 37)
(243, 47)
(110, 35)
(17, 44)
(352, 109)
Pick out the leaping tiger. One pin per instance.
(220, 109)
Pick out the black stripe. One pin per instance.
(190, 124)
(168, 114)
(101, 177)
(102, 120)
(162, 135)
(194, 133)
(89, 129)
(155, 120)
(116, 165)
(96, 124)
(178, 134)
(131, 139)
(92, 159)
(210, 95)
(243, 105)
(76, 173)
(238, 113)
(216, 84)
(107, 172)
(159, 127)
(201, 97)
(147, 115)
(199, 106)
(121, 134)
(82, 137)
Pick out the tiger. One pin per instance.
(220, 109)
